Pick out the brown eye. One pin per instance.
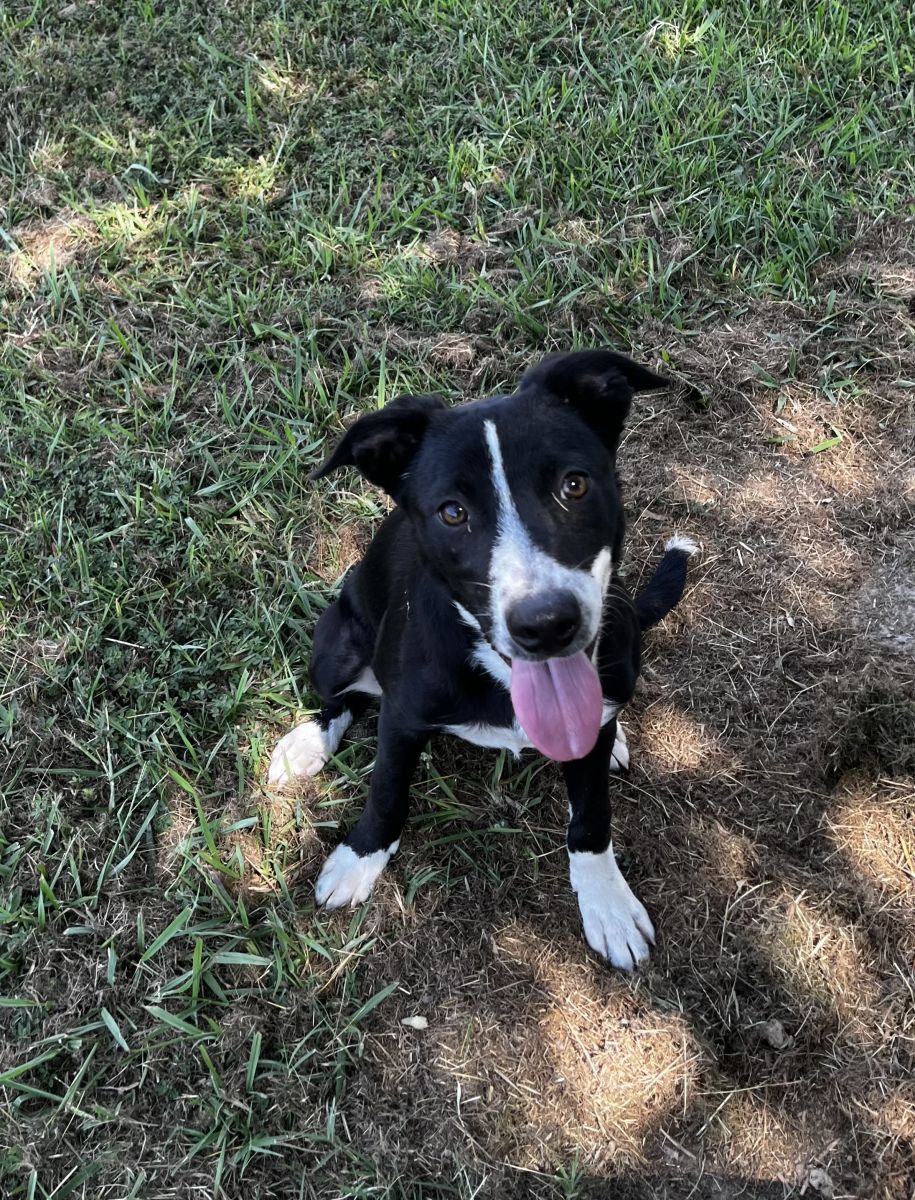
(453, 513)
(574, 486)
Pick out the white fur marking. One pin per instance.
(348, 877)
(602, 569)
(493, 664)
(619, 755)
(365, 682)
(518, 568)
(483, 654)
(305, 749)
(512, 737)
(468, 618)
(681, 542)
(616, 924)
(493, 737)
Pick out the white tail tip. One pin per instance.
(681, 542)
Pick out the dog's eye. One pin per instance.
(453, 513)
(574, 486)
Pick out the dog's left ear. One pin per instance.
(381, 444)
(598, 384)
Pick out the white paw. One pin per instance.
(616, 924)
(348, 877)
(305, 750)
(619, 755)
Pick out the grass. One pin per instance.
(225, 229)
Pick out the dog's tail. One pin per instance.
(663, 590)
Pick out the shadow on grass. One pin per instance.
(766, 1050)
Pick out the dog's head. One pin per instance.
(514, 499)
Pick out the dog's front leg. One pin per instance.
(350, 872)
(616, 925)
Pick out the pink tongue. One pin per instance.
(559, 704)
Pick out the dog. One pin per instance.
(489, 606)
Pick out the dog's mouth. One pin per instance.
(508, 659)
(558, 702)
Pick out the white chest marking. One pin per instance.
(512, 737)
(493, 737)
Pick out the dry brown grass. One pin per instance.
(225, 230)
(769, 1040)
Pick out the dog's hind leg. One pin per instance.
(343, 678)
(306, 749)
(619, 755)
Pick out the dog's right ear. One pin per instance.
(381, 445)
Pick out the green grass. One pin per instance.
(226, 229)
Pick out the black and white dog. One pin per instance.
(488, 606)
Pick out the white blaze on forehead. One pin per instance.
(518, 568)
(507, 513)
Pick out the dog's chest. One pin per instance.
(511, 736)
(493, 737)
(480, 729)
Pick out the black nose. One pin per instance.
(545, 623)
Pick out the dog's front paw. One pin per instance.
(305, 750)
(348, 877)
(619, 755)
(616, 924)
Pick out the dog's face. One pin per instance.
(515, 506)
(513, 499)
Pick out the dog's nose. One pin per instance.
(546, 623)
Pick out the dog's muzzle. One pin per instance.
(545, 625)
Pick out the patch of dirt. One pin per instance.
(885, 606)
(449, 246)
(763, 823)
(882, 257)
(332, 557)
(465, 356)
(41, 245)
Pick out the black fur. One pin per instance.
(397, 614)
(665, 588)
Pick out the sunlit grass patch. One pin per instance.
(224, 232)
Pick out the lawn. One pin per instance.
(227, 228)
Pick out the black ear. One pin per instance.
(598, 384)
(381, 444)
